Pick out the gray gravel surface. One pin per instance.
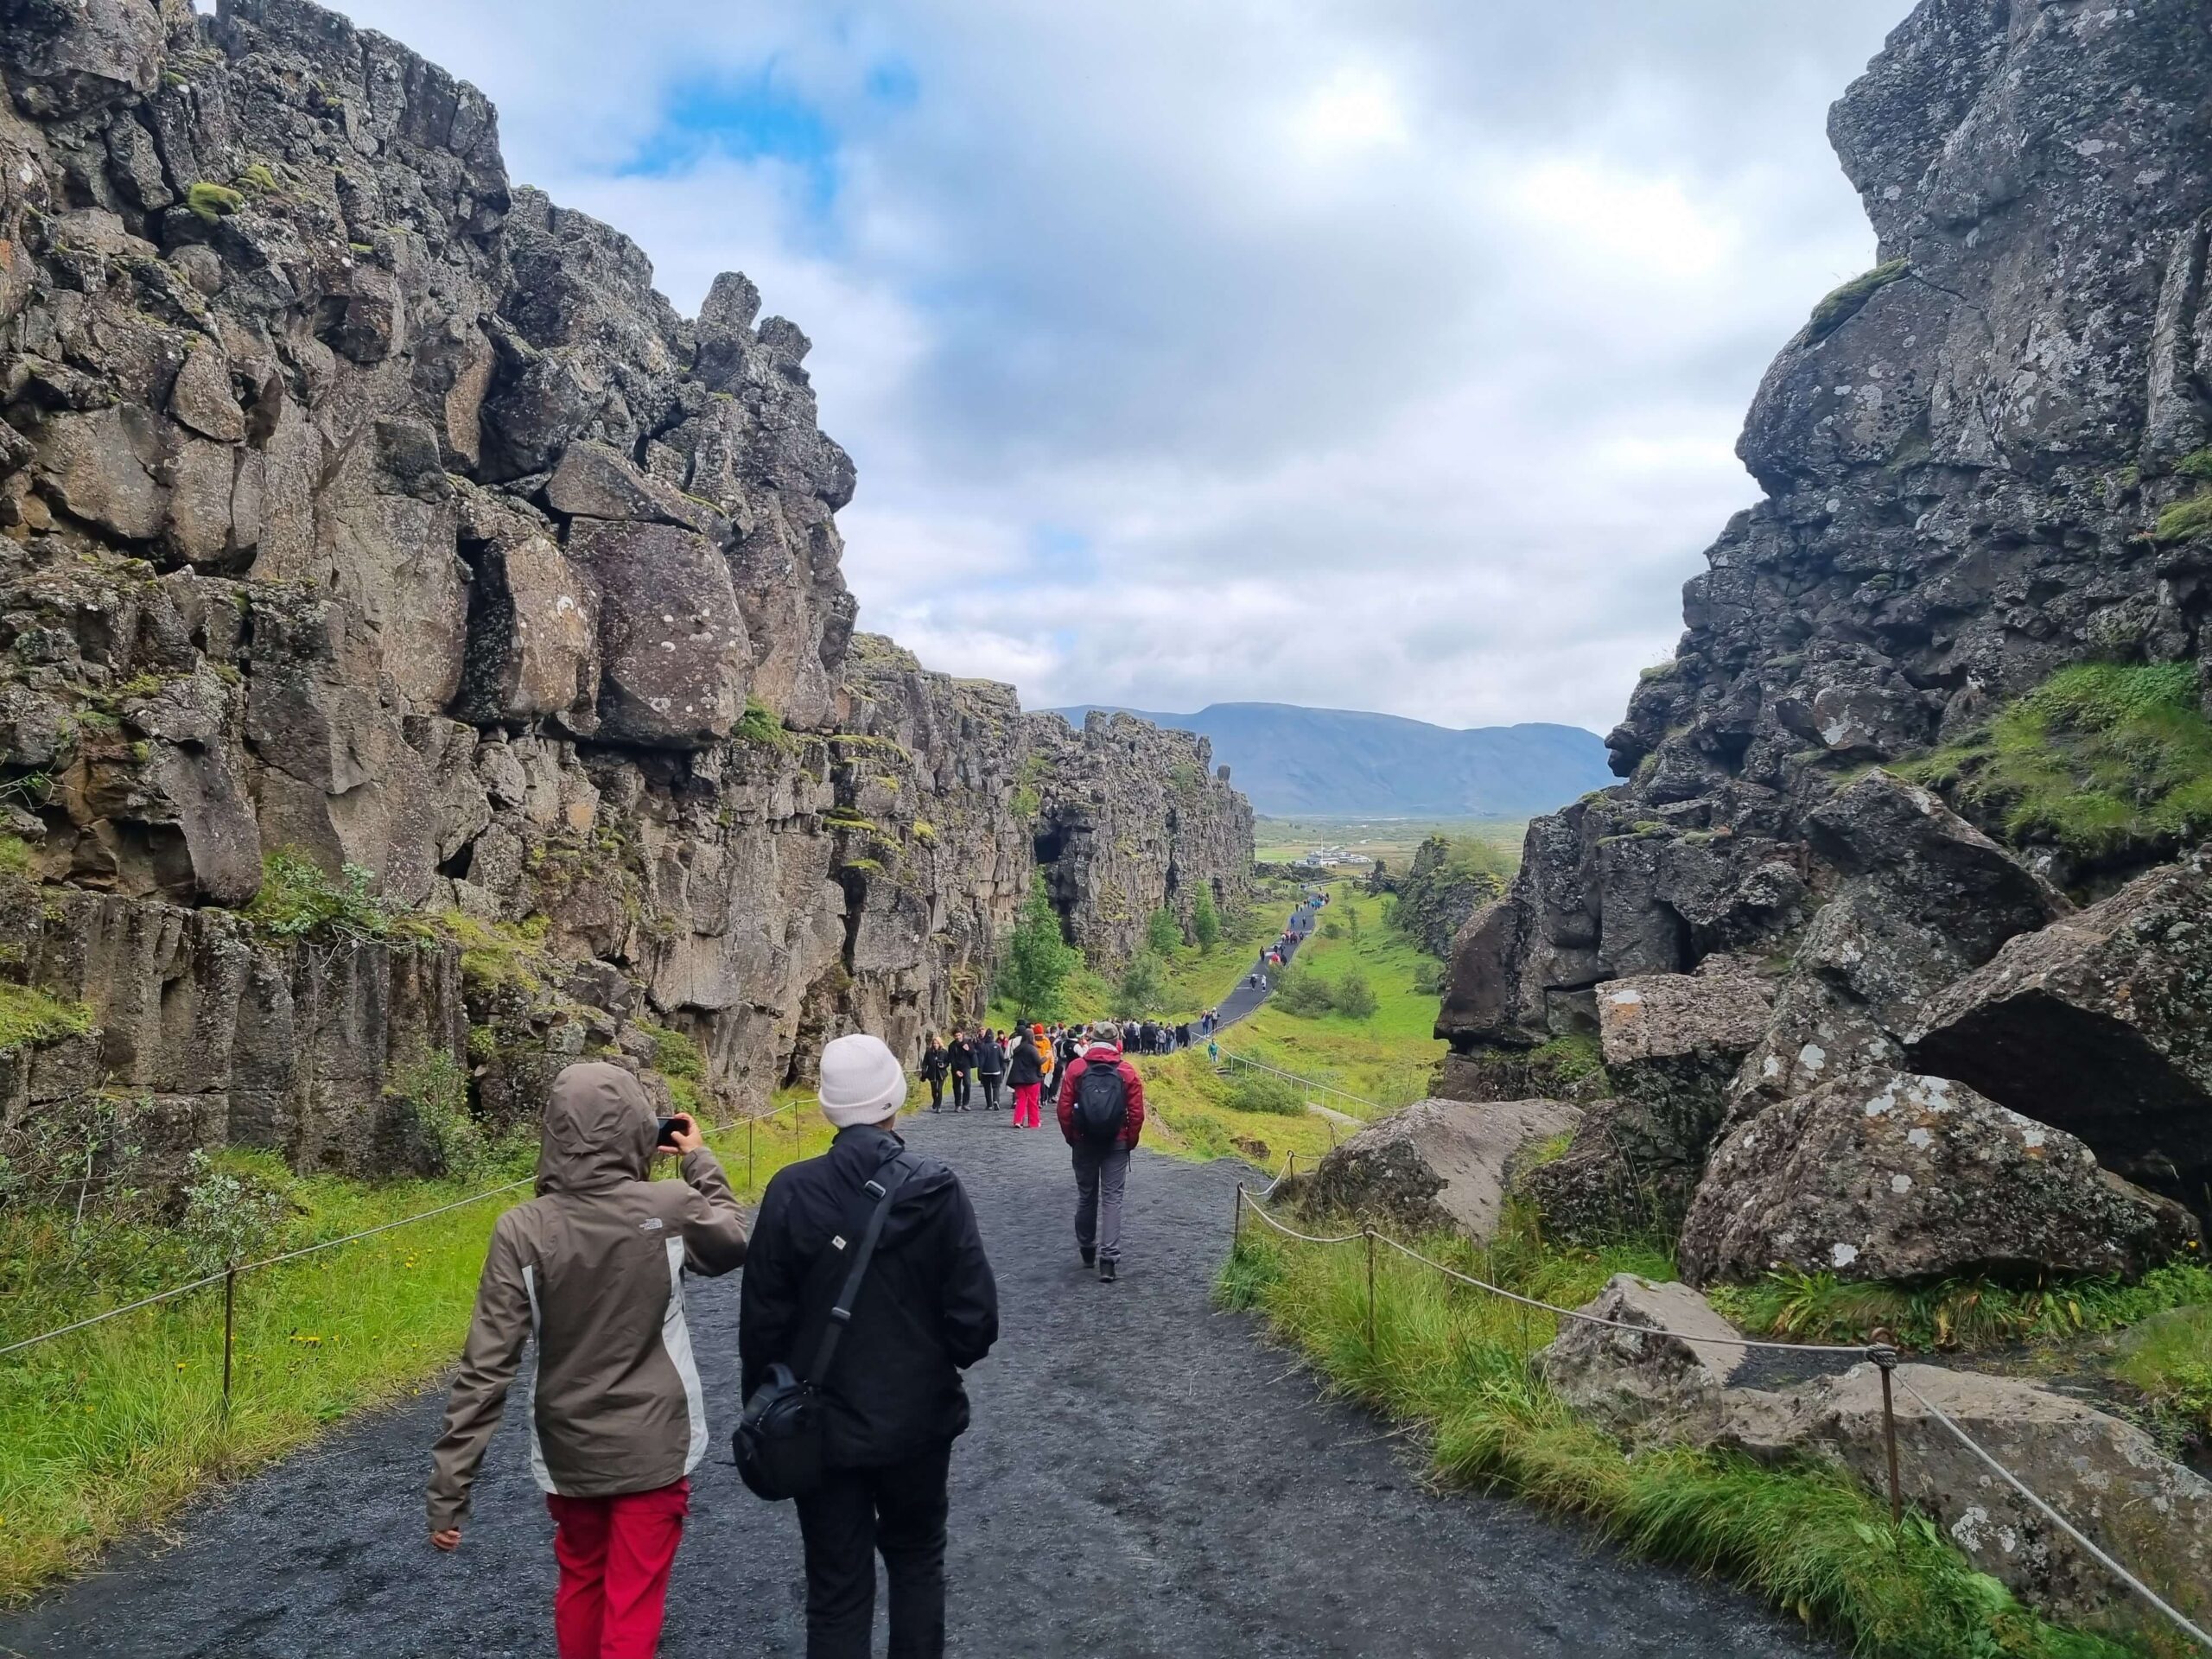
(1144, 1478)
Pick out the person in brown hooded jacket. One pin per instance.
(592, 1269)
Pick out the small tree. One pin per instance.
(1142, 989)
(1034, 975)
(1355, 997)
(1205, 921)
(1302, 992)
(1163, 934)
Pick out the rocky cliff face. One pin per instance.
(1982, 463)
(363, 510)
(1964, 454)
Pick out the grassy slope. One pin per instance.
(1387, 1058)
(113, 1428)
(1454, 1363)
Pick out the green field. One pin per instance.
(1281, 840)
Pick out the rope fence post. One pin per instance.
(1236, 1219)
(1885, 1359)
(752, 1180)
(230, 1327)
(1369, 1233)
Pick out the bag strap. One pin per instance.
(897, 1168)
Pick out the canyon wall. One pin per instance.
(365, 512)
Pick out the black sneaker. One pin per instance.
(1106, 1273)
(1089, 1256)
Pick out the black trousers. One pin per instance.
(898, 1511)
(960, 1089)
(991, 1081)
(937, 1092)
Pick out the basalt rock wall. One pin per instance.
(1965, 454)
(364, 510)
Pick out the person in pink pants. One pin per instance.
(1026, 1071)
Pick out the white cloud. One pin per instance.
(1379, 353)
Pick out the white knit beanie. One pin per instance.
(861, 1081)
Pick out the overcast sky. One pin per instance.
(1364, 354)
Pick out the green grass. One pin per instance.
(2168, 1359)
(29, 1017)
(1389, 1056)
(1454, 1362)
(112, 1429)
(2101, 760)
(1846, 301)
(1193, 1112)
(212, 202)
(16, 858)
(1955, 1313)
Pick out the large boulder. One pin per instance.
(1913, 1178)
(1480, 995)
(1669, 1383)
(1670, 1044)
(2106, 1477)
(2097, 1024)
(1441, 1166)
(1927, 898)
(676, 659)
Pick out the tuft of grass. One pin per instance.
(763, 726)
(16, 858)
(29, 1018)
(1804, 1535)
(1263, 1091)
(1957, 1313)
(2187, 520)
(2168, 1357)
(1846, 301)
(500, 953)
(2102, 760)
(212, 202)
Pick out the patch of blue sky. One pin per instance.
(894, 82)
(750, 117)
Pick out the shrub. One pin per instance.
(299, 900)
(447, 1138)
(1355, 998)
(1303, 993)
(762, 725)
(1263, 1091)
(1142, 989)
(229, 1217)
(1205, 921)
(15, 856)
(1163, 934)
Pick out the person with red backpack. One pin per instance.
(1101, 1116)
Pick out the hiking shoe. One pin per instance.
(1106, 1273)
(1089, 1256)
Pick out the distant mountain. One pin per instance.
(1332, 762)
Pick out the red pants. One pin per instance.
(614, 1554)
(1026, 1115)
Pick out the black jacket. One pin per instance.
(1027, 1066)
(961, 1056)
(928, 1309)
(934, 1066)
(990, 1057)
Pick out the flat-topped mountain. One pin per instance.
(1294, 761)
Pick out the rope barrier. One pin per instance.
(231, 1273)
(2058, 1520)
(1880, 1353)
(1304, 1082)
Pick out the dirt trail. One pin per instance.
(1144, 1478)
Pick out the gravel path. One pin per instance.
(1143, 1478)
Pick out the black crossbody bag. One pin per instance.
(780, 1439)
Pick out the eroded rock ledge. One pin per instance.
(361, 507)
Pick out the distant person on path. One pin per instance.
(1025, 1077)
(990, 1067)
(928, 1309)
(591, 1271)
(1102, 1115)
(933, 1070)
(961, 1057)
(1213, 1051)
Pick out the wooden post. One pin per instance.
(1237, 1222)
(1886, 1360)
(752, 1181)
(230, 1326)
(1370, 1231)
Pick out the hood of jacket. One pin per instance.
(597, 1132)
